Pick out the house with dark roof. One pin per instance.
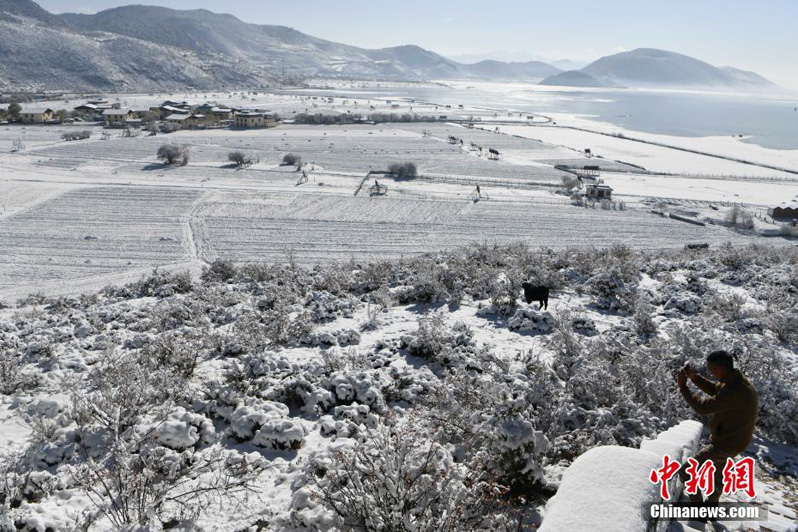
(598, 192)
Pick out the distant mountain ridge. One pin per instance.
(658, 68)
(152, 48)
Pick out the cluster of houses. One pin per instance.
(180, 113)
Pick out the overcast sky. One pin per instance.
(757, 35)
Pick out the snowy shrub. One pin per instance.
(434, 336)
(280, 434)
(643, 319)
(240, 159)
(176, 352)
(583, 325)
(77, 135)
(220, 271)
(149, 286)
(729, 306)
(611, 292)
(739, 217)
(172, 154)
(281, 325)
(324, 306)
(528, 320)
(143, 484)
(396, 479)
(181, 430)
(248, 418)
(290, 159)
(349, 387)
(403, 170)
(15, 375)
(684, 302)
(782, 317)
(504, 295)
(121, 389)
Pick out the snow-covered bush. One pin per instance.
(246, 420)
(15, 374)
(729, 306)
(611, 292)
(219, 271)
(403, 170)
(395, 479)
(324, 306)
(280, 325)
(181, 430)
(172, 154)
(281, 434)
(145, 484)
(643, 316)
(684, 302)
(782, 317)
(434, 336)
(76, 135)
(528, 320)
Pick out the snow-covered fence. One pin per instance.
(608, 487)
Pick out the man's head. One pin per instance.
(720, 364)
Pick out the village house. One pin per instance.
(598, 192)
(120, 118)
(36, 115)
(162, 111)
(251, 119)
(192, 120)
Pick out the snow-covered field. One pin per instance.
(82, 214)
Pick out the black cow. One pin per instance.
(536, 293)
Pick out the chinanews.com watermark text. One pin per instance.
(725, 511)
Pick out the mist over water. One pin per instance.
(769, 121)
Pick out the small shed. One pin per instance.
(589, 172)
(598, 192)
(787, 211)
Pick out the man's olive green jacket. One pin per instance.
(732, 407)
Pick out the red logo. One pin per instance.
(737, 476)
(700, 478)
(664, 474)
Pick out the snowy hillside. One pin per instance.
(37, 56)
(415, 394)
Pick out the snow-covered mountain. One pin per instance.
(41, 51)
(653, 67)
(148, 48)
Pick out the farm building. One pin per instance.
(162, 111)
(36, 115)
(788, 211)
(600, 192)
(87, 109)
(192, 120)
(249, 119)
(118, 117)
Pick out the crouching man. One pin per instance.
(732, 405)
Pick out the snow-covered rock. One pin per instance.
(528, 320)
